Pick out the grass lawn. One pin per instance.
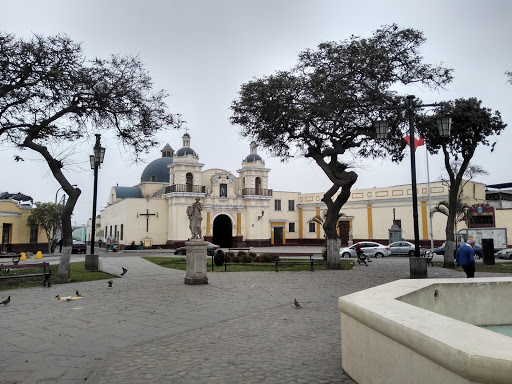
(181, 263)
(77, 275)
(496, 268)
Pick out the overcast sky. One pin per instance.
(200, 52)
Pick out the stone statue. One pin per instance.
(195, 217)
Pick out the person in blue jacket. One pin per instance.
(466, 258)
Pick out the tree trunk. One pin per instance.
(333, 253)
(67, 235)
(453, 194)
(65, 258)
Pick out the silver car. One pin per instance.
(370, 249)
(402, 248)
(504, 254)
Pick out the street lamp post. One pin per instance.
(443, 125)
(95, 160)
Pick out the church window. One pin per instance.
(116, 234)
(257, 183)
(189, 181)
(110, 230)
(291, 205)
(291, 227)
(312, 226)
(223, 190)
(152, 178)
(277, 205)
(122, 230)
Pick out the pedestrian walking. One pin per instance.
(465, 257)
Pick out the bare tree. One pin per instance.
(51, 94)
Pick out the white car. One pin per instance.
(504, 254)
(402, 248)
(370, 248)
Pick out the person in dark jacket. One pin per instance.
(466, 258)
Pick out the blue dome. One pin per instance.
(253, 157)
(124, 192)
(185, 151)
(157, 171)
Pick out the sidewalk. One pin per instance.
(151, 327)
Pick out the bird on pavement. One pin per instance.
(6, 301)
(57, 297)
(110, 282)
(124, 271)
(297, 305)
(78, 293)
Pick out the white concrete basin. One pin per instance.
(426, 331)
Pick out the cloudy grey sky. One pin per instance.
(201, 51)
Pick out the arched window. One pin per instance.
(257, 183)
(189, 181)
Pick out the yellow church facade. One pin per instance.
(242, 210)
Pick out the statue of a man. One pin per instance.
(195, 217)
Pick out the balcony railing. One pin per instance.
(256, 192)
(185, 188)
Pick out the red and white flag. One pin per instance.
(417, 142)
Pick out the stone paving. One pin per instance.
(151, 327)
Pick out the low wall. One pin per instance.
(423, 331)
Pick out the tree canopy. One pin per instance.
(46, 216)
(50, 93)
(472, 125)
(325, 106)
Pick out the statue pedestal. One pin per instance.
(196, 262)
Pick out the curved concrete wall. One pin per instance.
(392, 333)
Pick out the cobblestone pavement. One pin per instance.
(151, 327)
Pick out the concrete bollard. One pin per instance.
(92, 263)
(418, 267)
(39, 255)
(23, 257)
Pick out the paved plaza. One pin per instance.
(152, 328)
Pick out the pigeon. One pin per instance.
(110, 282)
(57, 297)
(6, 301)
(124, 271)
(78, 293)
(297, 305)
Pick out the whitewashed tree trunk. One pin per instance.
(333, 253)
(65, 257)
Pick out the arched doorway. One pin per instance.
(223, 231)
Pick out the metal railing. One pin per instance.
(256, 192)
(186, 188)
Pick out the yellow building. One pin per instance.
(241, 210)
(16, 236)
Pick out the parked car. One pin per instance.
(440, 250)
(370, 248)
(210, 250)
(402, 248)
(78, 247)
(504, 254)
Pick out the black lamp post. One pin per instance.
(443, 125)
(95, 160)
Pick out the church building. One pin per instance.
(242, 211)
